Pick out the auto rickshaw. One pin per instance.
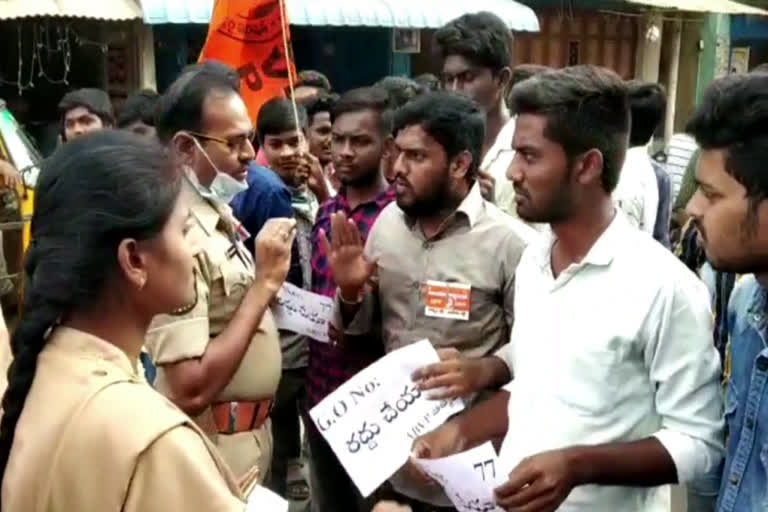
(15, 209)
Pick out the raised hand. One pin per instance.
(351, 270)
(272, 252)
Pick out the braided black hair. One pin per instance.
(92, 193)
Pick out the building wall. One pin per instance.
(581, 37)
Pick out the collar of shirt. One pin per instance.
(339, 201)
(303, 202)
(73, 340)
(503, 143)
(601, 253)
(210, 214)
(471, 208)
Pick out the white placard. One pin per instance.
(262, 499)
(468, 478)
(303, 312)
(372, 420)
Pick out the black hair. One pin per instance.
(181, 107)
(428, 81)
(648, 104)
(139, 108)
(277, 116)
(320, 103)
(482, 38)
(453, 120)
(525, 71)
(401, 90)
(733, 116)
(92, 193)
(96, 101)
(586, 108)
(218, 68)
(312, 78)
(375, 99)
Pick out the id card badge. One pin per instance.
(447, 300)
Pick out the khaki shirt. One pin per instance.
(94, 436)
(478, 246)
(224, 273)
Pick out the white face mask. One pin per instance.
(223, 187)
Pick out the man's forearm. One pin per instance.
(485, 421)
(197, 382)
(644, 463)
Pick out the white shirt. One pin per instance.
(637, 193)
(617, 348)
(496, 162)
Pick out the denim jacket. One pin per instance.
(744, 483)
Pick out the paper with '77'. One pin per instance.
(371, 421)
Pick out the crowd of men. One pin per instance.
(588, 344)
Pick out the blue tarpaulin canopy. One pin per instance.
(368, 13)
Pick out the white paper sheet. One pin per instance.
(372, 420)
(468, 478)
(303, 312)
(262, 499)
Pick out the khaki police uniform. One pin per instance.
(238, 420)
(94, 436)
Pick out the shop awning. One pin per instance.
(366, 13)
(714, 6)
(112, 10)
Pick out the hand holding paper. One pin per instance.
(541, 482)
(468, 478)
(303, 312)
(377, 415)
(455, 376)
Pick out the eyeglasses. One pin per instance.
(235, 143)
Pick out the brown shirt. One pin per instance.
(94, 436)
(478, 245)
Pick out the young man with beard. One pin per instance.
(362, 127)
(440, 234)
(730, 212)
(615, 391)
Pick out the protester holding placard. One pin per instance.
(616, 390)
(361, 134)
(285, 146)
(443, 257)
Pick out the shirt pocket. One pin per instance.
(588, 382)
(231, 278)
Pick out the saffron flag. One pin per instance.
(248, 36)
